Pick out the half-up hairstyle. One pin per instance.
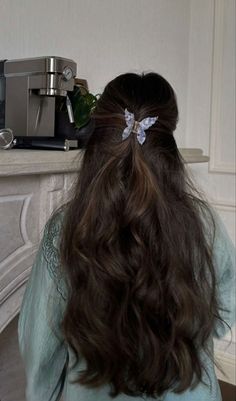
(136, 255)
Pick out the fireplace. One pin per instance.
(32, 185)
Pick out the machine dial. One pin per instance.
(67, 73)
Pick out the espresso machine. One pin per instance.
(29, 91)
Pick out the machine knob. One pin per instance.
(67, 74)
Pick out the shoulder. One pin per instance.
(223, 247)
(51, 249)
(216, 233)
(51, 238)
(224, 263)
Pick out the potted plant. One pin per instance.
(82, 103)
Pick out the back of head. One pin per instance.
(138, 263)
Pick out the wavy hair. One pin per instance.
(136, 253)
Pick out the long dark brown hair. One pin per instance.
(136, 254)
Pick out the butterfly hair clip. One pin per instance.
(138, 127)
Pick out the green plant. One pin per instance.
(83, 103)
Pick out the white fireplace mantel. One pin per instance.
(32, 185)
(24, 162)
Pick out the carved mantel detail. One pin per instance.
(26, 202)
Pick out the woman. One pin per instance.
(134, 276)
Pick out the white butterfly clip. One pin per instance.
(138, 127)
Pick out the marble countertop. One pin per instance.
(27, 162)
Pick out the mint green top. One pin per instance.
(45, 353)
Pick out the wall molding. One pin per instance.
(224, 206)
(216, 164)
(26, 242)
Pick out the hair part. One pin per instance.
(136, 255)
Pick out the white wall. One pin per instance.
(105, 38)
(210, 122)
(190, 42)
(211, 100)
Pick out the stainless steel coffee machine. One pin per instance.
(31, 89)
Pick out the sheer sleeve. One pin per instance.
(42, 346)
(224, 260)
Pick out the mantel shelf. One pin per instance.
(27, 162)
